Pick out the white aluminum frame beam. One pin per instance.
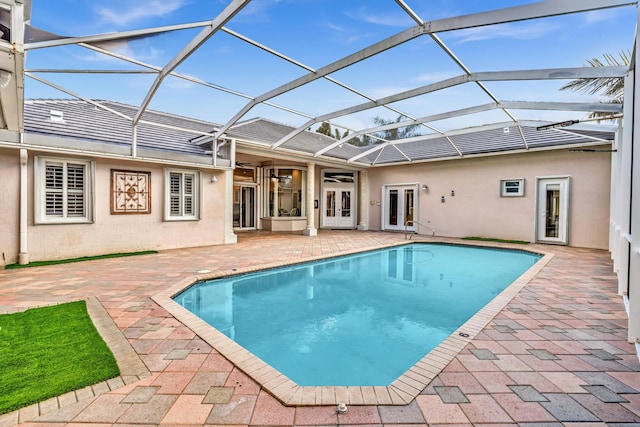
(441, 116)
(525, 12)
(516, 105)
(540, 74)
(512, 14)
(189, 78)
(75, 95)
(426, 138)
(111, 110)
(229, 12)
(86, 41)
(346, 61)
(122, 35)
(307, 68)
(536, 10)
(86, 71)
(564, 106)
(410, 12)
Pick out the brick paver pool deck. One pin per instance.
(557, 354)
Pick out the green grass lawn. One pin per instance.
(84, 258)
(489, 239)
(45, 352)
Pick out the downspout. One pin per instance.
(23, 256)
(134, 142)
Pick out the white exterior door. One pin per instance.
(399, 207)
(338, 207)
(552, 210)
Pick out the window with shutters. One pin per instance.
(63, 191)
(182, 195)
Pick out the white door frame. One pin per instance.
(563, 184)
(401, 217)
(241, 202)
(339, 187)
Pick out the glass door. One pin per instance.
(338, 199)
(552, 215)
(338, 210)
(400, 207)
(329, 213)
(244, 208)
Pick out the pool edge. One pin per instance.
(401, 391)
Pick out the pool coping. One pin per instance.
(402, 391)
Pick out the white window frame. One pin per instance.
(40, 191)
(182, 196)
(503, 187)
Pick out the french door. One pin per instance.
(552, 210)
(338, 207)
(400, 207)
(244, 207)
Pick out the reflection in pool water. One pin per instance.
(360, 319)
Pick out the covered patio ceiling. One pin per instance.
(391, 73)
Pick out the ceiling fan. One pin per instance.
(245, 164)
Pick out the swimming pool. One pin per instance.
(359, 320)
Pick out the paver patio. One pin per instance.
(555, 355)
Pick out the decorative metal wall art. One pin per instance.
(130, 192)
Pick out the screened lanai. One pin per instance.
(196, 126)
(388, 82)
(401, 80)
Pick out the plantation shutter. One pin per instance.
(75, 190)
(182, 189)
(62, 190)
(174, 194)
(188, 195)
(54, 189)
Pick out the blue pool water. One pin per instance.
(356, 320)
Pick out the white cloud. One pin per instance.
(599, 16)
(436, 76)
(256, 11)
(346, 35)
(383, 91)
(527, 31)
(179, 84)
(147, 54)
(399, 19)
(151, 9)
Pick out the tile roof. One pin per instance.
(85, 121)
(82, 120)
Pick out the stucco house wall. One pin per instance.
(477, 208)
(109, 233)
(9, 202)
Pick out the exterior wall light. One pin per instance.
(442, 199)
(425, 188)
(453, 193)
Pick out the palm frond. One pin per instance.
(612, 87)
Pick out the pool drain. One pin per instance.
(342, 408)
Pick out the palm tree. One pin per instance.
(389, 134)
(611, 87)
(395, 133)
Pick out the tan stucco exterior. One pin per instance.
(10, 202)
(477, 208)
(109, 233)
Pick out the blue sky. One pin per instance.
(317, 32)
